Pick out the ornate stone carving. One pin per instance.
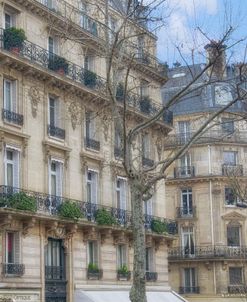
(105, 234)
(90, 234)
(35, 99)
(120, 238)
(159, 146)
(75, 111)
(28, 225)
(6, 221)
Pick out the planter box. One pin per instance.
(123, 276)
(94, 274)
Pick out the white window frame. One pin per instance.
(12, 106)
(234, 155)
(192, 283)
(15, 162)
(57, 111)
(17, 247)
(146, 145)
(188, 231)
(187, 194)
(94, 183)
(150, 266)
(95, 246)
(59, 176)
(89, 62)
(121, 193)
(12, 16)
(122, 255)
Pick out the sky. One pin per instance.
(190, 24)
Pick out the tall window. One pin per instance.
(54, 260)
(12, 241)
(9, 19)
(144, 89)
(52, 46)
(184, 131)
(12, 167)
(10, 95)
(54, 112)
(230, 158)
(235, 275)
(93, 257)
(230, 197)
(89, 61)
(90, 125)
(140, 47)
(121, 190)
(146, 149)
(185, 166)
(233, 235)
(112, 28)
(149, 261)
(56, 178)
(92, 186)
(227, 125)
(189, 280)
(186, 202)
(148, 207)
(121, 255)
(188, 241)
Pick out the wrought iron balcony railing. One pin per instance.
(211, 136)
(12, 117)
(49, 205)
(147, 162)
(189, 290)
(183, 172)
(54, 272)
(237, 289)
(151, 276)
(56, 132)
(92, 144)
(14, 269)
(207, 252)
(232, 170)
(185, 212)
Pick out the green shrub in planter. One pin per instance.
(13, 38)
(123, 269)
(104, 217)
(21, 201)
(145, 104)
(158, 226)
(58, 64)
(93, 268)
(90, 78)
(123, 273)
(69, 209)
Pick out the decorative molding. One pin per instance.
(35, 99)
(75, 112)
(84, 157)
(90, 234)
(224, 265)
(48, 151)
(208, 265)
(149, 241)
(105, 234)
(23, 138)
(234, 216)
(27, 226)
(120, 238)
(6, 221)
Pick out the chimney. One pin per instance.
(216, 54)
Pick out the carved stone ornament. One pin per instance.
(75, 112)
(28, 225)
(6, 221)
(90, 234)
(105, 234)
(35, 99)
(159, 146)
(120, 238)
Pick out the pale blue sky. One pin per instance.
(213, 17)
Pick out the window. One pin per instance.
(93, 252)
(230, 197)
(227, 125)
(121, 190)
(148, 207)
(54, 260)
(144, 89)
(92, 186)
(185, 166)
(140, 47)
(121, 255)
(9, 19)
(91, 140)
(89, 62)
(118, 143)
(9, 95)
(56, 178)
(52, 4)
(149, 262)
(52, 46)
(230, 158)
(189, 280)
(235, 275)
(54, 112)
(233, 235)
(188, 241)
(146, 145)
(112, 28)
(12, 167)
(184, 131)
(186, 202)
(12, 254)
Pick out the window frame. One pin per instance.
(94, 190)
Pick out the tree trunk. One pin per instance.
(138, 289)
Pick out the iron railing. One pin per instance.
(54, 272)
(92, 144)
(237, 289)
(189, 290)
(14, 269)
(211, 136)
(151, 276)
(184, 212)
(208, 251)
(232, 170)
(147, 162)
(95, 274)
(12, 117)
(56, 132)
(185, 171)
(49, 205)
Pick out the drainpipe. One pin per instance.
(211, 211)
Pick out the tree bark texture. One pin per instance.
(138, 289)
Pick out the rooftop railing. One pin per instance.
(47, 204)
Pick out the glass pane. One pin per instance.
(233, 238)
(7, 96)
(53, 185)
(10, 173)
(10, 248)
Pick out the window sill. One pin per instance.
(12, 124)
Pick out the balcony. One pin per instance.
(189, 290)
(54, 272)
(237, 289)
(12, 117)
(232, 170)
(184, 172)
(185, 213)
(92, 144)
(147, 162)
(56, 132)
(48, 205)
(13, 269)
(151, 276)
(208, 252)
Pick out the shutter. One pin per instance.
(94, 187)
(95, 252)
(14, 96)
(16, 174)
(16, 248)
(123, 194)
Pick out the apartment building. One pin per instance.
(61, 157)
(208, 261)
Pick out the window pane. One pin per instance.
(235, 275)
(7, 95)
(233, 236)
(53, 185)
(229, 158)
(10, 173)
(10, 248)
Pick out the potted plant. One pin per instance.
(22, 201)
(58, 64)
(123, 274)
(158, 226)
(93, 272)
(70, 209)
(90, 78)
(104, 217)
(145, 104)
(13, 39)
